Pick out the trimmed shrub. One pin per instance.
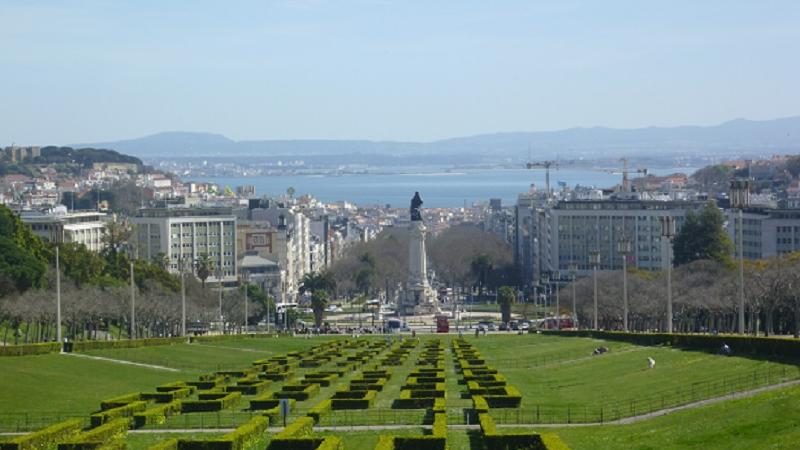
(169, 444)
(239, 439)
(249, 387)
(479, 404)
(353, 399)
(507, 441)
(122, 400)
(96, 437)
(217, 404)
(301, 427)
(167, 396)
(175, 385)
(318, 410)
(108, 415)
(553, 442)
(44, 438)
(156, 415)
(30, 349)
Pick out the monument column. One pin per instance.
(419, 296)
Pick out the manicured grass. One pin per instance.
(766, 421)
(202, 357)
(620, 378)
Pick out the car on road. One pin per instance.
(486, 326)
(524, 326)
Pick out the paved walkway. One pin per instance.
(122, 361)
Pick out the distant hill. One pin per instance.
(740, 135)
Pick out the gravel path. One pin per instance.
(122, 361)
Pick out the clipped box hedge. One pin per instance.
(353, 399)
(320, 409)
(167, 396)
(121, 400)
(97, 437)
(297, 436)
(108, 415)
(30, 349)
(297, 392)
(216, 404)
(510, 399)
(156, 415)
(437, 440)
(508, 441)
(241, 438)
(44, 438)
(250, 387)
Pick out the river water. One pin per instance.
(438, 189)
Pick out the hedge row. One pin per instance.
(78, 346)
(437, 440)
(353, 399)
(239, 439)
(297, 436)
(488, 388)
(216, 404)
(44, 438)
(101, 436)
(157, 414)
(122, 400)
(508, 441)
(167, 396)
(30, 349)
(745, 345)
(108, 415)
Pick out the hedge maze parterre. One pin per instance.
(337, 377)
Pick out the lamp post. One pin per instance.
(558, 305)
(246, 283)
(594, 260)
(133, 306)
(219, 280)
(624, 249)
(58, 300)
(740, 199)
(573, 270)
(182, 264)
(668, 232)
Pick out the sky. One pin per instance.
(89, 71)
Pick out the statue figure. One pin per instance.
(416, 204)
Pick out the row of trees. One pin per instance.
(96, 289)
(705, 297)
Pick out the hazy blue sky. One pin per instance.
(83, 71)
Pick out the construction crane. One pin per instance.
(626, 182)
(546, 165)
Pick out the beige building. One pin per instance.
(59, 226)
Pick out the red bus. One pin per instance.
(442, 324)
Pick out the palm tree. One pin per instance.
(480, 267)
(203, 267)
(319, 301)
(506, 297)
(318, 281)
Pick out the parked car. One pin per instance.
(503, 327)
(524, 326)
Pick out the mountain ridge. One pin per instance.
(734, 135)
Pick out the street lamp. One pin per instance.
(668, 232)
(558, 306)
(246, 282)
(58, 300)
(133, 305)
(594, 260)
(740, 199)
(219, 280)
(182, 264)
(624, 249)
(573, 270)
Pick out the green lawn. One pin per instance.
(203, 357)
(619, 380)
(766, 421)
(557, 377)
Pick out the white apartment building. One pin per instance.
(185, 234)
(60, 226)
(765, 232)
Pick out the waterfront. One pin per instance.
(439, 189)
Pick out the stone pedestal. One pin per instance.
(419, 297)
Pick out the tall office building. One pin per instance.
(185, 234)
